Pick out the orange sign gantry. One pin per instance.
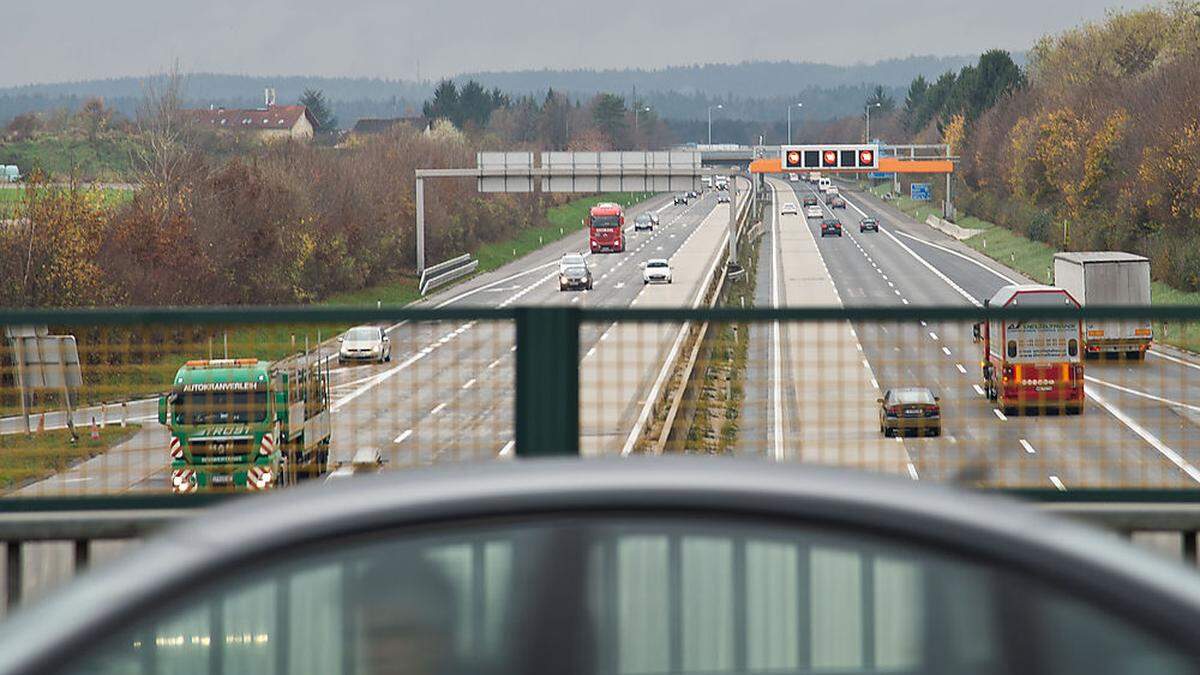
(886, 165)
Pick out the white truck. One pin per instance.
(1108, 278)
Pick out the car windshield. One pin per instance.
(577, 271)
(362, 334)
(657, 263)
(644, 218)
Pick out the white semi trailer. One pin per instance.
(1108, 278)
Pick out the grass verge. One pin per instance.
(25, 459)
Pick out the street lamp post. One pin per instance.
(710, 109)
(635, 118)
(798, 105)
(873, 105)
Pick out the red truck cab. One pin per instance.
(606, 228)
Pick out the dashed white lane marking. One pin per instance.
(1058, 483)
(590, 352)
(1028, 448)
(575, 299)
(620, 284)
(1142, 394)
(946, 351)
(493, 364)
(507, 450)
(874, 383)
(866, 364)
(440, 407)
(403, 435)
(912, 472)
(961, 369)
(904, 300)
(897, 292)
(978, 389)
(924, 325)
(1000, 414)
(469, 383)
(933, 335)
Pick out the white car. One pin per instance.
(364, 343)
(656, 271)
(813, 212)
(789, 208)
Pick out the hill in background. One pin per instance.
(752, 90)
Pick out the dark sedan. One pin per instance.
(908, 409)
(868, 224)
(831, 227)
(811, 200)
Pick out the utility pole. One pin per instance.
(873, 105)
(798, 105)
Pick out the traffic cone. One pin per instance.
(95, 430)
(41, 423)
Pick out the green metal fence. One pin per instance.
(474, 384)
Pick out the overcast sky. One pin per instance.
(61, 40)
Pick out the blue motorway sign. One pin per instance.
(879, 175)
(920, 192)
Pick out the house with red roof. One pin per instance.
(268, 124)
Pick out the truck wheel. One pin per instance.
(1135, 355)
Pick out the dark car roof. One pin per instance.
(986, 528)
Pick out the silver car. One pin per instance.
(364, 343)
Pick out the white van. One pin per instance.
(823, 184)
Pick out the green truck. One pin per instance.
(246, 424)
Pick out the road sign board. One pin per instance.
(920, 192)
(830, 157)
(879, 175)
(502, 163)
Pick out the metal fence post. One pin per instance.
(547, 416)
(420, 206)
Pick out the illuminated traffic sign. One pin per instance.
(830, 157)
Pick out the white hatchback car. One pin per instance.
(656, 271)
(814, 212)
(789, 209)
(364, 343)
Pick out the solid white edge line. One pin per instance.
(1142, 394)
(960, 255)
(777, 349)
(1150, 438)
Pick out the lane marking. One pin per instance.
(904, 300)
(440, 407)
(493, 364)
(403, 435)
(1176, 359)
(1028, 448)
(962, 370)
(1058, 483)
(1142, 394)
(912, 472)
(1000, 414)
(978, 389)
(590, 352)
(946, 351)
(933, 335)
(507, 450)
(968, 258)
(777, 349)
(1150, 438)
(470, 383)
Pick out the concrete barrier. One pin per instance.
(950, 228)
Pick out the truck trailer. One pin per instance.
(1100, 278)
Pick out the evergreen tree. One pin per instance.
(318, 107)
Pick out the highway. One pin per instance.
(1141, 434)
(447, 394)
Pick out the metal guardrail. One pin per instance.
(444, 272)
